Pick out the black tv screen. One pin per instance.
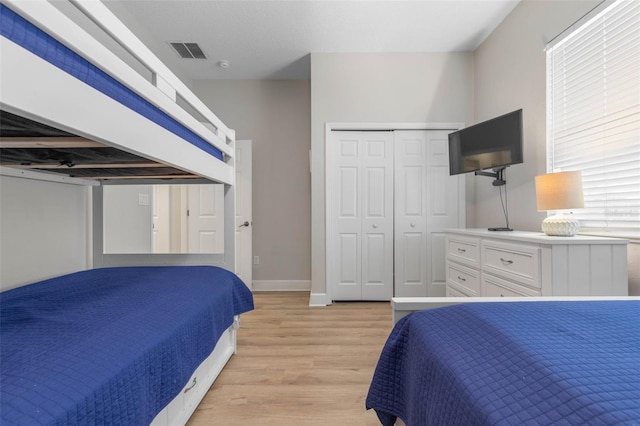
(492, 143)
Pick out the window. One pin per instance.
(593, 112)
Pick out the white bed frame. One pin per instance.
(403, 306)
(185, 403)
(38, 90)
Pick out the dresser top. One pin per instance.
(535, 237)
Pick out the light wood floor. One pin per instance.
(298, 365)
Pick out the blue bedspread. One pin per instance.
(560, 363)
(112, 345)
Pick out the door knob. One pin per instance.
(375, 226)
(246, 223)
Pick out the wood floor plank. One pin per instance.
(299, 365)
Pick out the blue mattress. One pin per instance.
(22, 32)
(543, 363)
(111, 345)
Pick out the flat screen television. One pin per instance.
(487, 145)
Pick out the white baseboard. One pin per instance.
(281, 285)
(318, 299)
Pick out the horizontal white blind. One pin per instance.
(593, 113)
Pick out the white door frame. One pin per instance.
(244, 212)
(367, 126)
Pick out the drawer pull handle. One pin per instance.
(461, 278)
(461, 250)
(192, 385)
(506, 261)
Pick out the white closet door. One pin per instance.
(427, 202)
(360, 215)
(377, 215)
(445, 208)
(411, 213)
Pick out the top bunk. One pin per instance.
(83, 98)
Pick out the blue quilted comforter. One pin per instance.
(112, 345)
(560, 363)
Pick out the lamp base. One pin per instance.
(560, 225)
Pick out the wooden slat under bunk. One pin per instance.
(26, 144)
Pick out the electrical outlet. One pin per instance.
(256, 260)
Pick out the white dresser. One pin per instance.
(516, 263)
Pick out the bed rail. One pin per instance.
(403, 306)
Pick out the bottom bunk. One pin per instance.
(116, 345)
(491, 362)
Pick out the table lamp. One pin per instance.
(560, 191)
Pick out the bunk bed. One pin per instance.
(481, 361)
(84, 102)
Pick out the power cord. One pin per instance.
(505, 203)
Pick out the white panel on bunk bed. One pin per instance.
(50, 19)
(123, 127)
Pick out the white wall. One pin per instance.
(510, 73)
(43, 228)
(393, 87)
(275, 115)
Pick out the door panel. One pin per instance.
(205, 221)
(377, 223)
(360, 215)
(412, 265)
(445, 204)
(161, 223)
(377, 264)
(375, 204)
(348, 192)
(410, 168)
(438, 262)
(427, 202)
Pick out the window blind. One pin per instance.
(593, 113)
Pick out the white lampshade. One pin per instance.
(560, 191)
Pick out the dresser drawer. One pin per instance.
(465, 278)
(518, 262)
(498, 287)
(454, 292)
(464, 250)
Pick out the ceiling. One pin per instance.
(271, 39)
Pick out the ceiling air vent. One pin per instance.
(188, 50)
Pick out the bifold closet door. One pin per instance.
(427, 202)
(360, 215)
